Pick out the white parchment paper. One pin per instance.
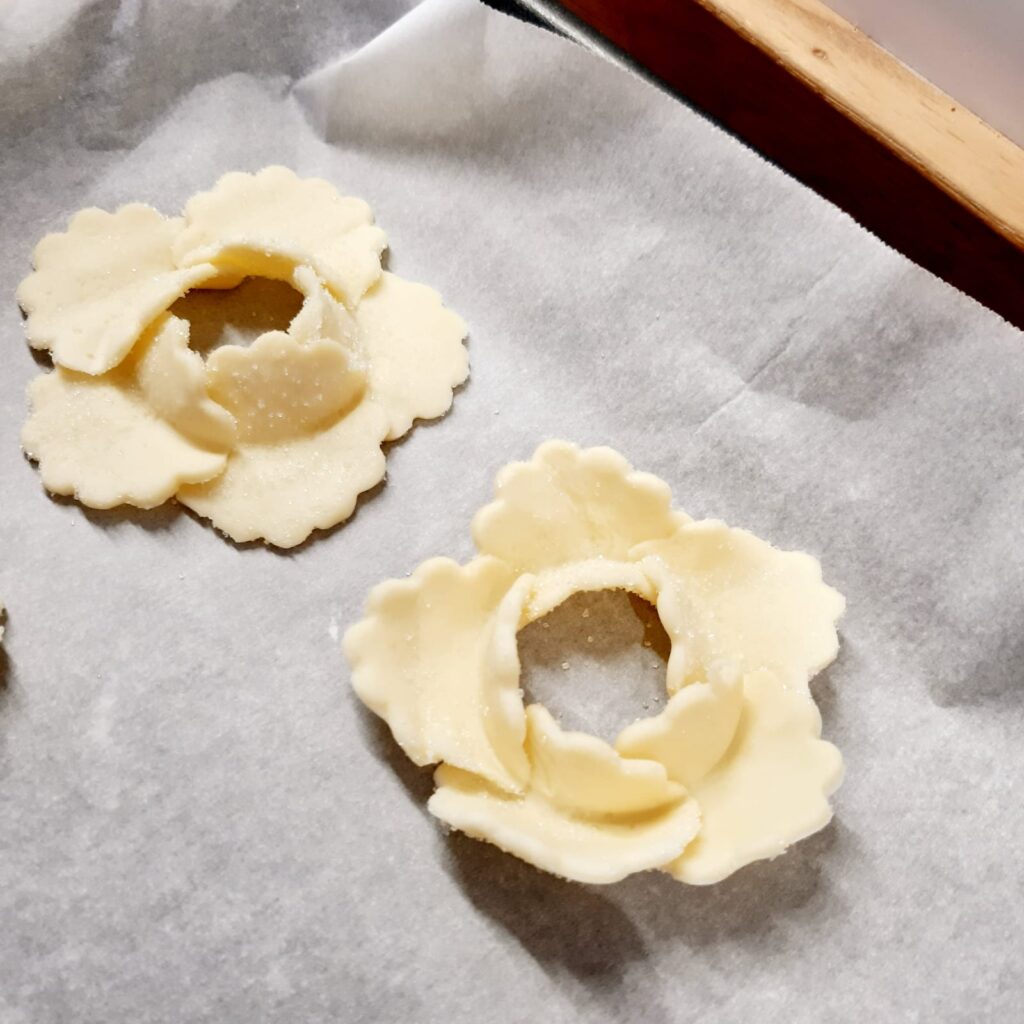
(197, 821)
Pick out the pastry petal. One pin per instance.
(171, 380)
(268, 223)
(769, 790)
(98, 285)
(414, 350)
(287, 384)
(694, 731)
(743, 600)
(95, 438)
(283, 491)
(432, 658)
(550, 826)
(572, 505)
(553, 586)
(584, 775)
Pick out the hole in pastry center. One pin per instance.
(597, 662)
(239, 315)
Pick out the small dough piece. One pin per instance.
(414, 349)
(171, 380)
(95, 438)
(270, 222)
(98, 285)
(568, 505)
(279, 390)
(321, 315)
(424, 660)
(769, 790)
(584, 775)
(694, 731)
(561, 824)
(282, 492)
(747, 600)
(738, 742)
(553, 586)
(292, 383)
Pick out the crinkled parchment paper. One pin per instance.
(197, 821)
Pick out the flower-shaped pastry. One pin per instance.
(269, 440)
(733, 770)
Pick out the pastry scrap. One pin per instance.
(268, 441)
(733, 770)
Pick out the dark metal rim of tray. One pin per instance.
(687, 50)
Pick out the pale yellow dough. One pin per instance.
(733, 770)
(271, 222)
(459, 702)
(269, 441)
(97, 286)
(587, 814)
(98, 442)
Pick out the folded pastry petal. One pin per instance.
(270, 222)
(587, 814)
(432, 658)
(98, 439)
(550, 587)
(768, 790)
(693, 733)
(171, 380)
(282, 492)
(99, 284)
(746, 600)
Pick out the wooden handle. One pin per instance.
(962, 154)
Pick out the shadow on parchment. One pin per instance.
(153, 520)
(995, 678)
(418, 782)
(595, 935)
(823, 690)
(156, 520)
(566, 927)
(572, 930)
(6, 696)
(5, 664)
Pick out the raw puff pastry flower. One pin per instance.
(733, 770)
(271, 440)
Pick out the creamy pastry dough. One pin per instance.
(734, 768)
(271, 440)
